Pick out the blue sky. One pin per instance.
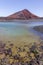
(8, 7)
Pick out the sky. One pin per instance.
(8, 7)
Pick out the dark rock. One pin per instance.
(41, 48)
(8, 52)
(33, 62)
(2, 45)
(32, 48)
(11, 44)
(19, 50)
(16, 57)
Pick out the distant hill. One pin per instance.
(21, 15)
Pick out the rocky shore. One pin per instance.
(39, 28)
(11, 54)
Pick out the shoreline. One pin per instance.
(28, 38)
(39, 29)
(22, 21)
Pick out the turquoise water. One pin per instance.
(12, 29)
(17, 28)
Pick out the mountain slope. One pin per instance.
(21, 15)
(24, 14)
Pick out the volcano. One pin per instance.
(22, 15)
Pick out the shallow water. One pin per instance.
(13, 51)
(11, 29)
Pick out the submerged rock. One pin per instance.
(2, 47)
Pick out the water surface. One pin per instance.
(12, 29)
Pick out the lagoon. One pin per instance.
(12, 29)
